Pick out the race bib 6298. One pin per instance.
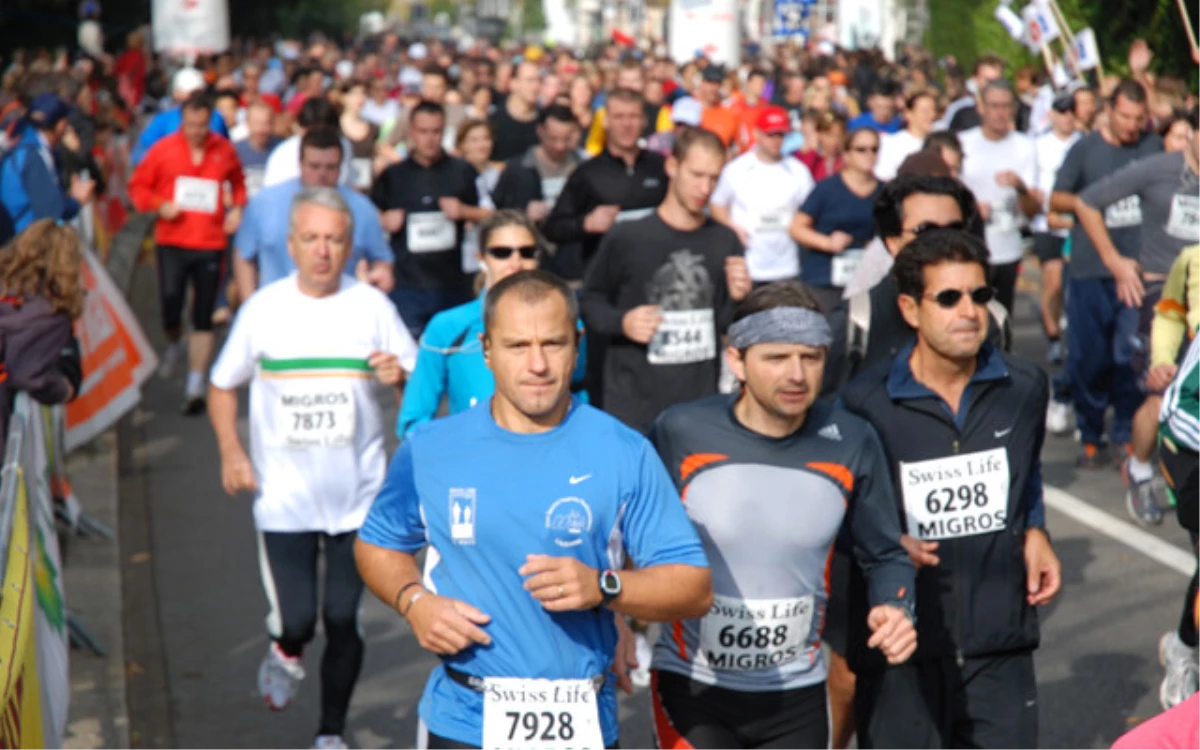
(956, 496)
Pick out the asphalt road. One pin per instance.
(194, 621)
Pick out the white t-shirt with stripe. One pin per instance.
(316, 427)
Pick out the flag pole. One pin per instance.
(1187, 24)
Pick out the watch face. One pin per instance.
(609, 583)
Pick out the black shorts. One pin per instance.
(1140, 359)
(175, 266)
(989, 701)
(691, 714)
(1048, 247)
(836, 633)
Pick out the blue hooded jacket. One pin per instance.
(29, 189)
(165, 123)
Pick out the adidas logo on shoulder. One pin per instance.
(830, 432)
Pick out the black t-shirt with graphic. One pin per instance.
(647, 262)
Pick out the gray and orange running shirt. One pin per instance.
(768, 511)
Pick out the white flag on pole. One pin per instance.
(1011, 22)
(1087, 52)
(190, 27)
(1040, 26)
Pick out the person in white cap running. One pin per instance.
(186, 82)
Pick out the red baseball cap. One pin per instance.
(773, 120)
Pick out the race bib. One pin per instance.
(844, 265)
(314, 413)
(430, 232)
(683, 337)
(521, 713)
(196, 194)
(1126, 212)
(634, 214)
(956, 496)
(1184, 222)
(771, 222)
(552, 187)
(360, 172)
(254, 180)
(747, 634)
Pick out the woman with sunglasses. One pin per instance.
(837, 220)
(450, 362)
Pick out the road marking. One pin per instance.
(1122, 531)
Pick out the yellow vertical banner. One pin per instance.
(21, 716)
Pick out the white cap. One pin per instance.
(827, 48)
(417, 51)
(344, 69)
(187, 80)
(687, 111)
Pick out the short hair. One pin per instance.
(1129, 90)
(325, 197)
(931, 248)
(557, 112)
(789, 293)
(321, 137)
(947, 139)
(988, 61)
(889, 206)
(756, 73)
(508, 217)
(629, 96)
(827, 121)
(433, 69)
(917, 96)
(225, 94)
(530, 287)
(466, 127)
(317, 111)
(427, 108)
(691, 137)
(998, 85)
(197, 100)
(852, 134)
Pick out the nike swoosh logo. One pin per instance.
(1002, 433)
(577, 480)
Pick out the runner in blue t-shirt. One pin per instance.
(529, 508)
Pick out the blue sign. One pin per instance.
(790, 16)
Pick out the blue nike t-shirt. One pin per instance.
(482, 498)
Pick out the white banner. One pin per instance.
(188, 27)
(1087, 51)
(709, 27)
(1040, 26)
(1011, 21)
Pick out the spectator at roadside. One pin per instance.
(41, 296)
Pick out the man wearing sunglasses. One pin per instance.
(758, 194)
(962, 425)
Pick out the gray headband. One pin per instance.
(781, 325)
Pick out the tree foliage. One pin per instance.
(968, 29)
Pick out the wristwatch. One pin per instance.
(610, 586)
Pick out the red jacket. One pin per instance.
(167, 174)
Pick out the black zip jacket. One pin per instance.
(600, 181)
(973, 603)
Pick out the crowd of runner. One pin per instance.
(599, 284)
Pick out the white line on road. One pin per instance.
(1125, 533)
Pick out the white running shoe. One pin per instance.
(641, 676)
(330, 742)
(1058, 418)
(278, 676)
(1183, 673)
(174, 355)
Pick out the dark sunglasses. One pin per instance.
(866, 149)
(929, 226)
(949, 298)
(528, 252)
